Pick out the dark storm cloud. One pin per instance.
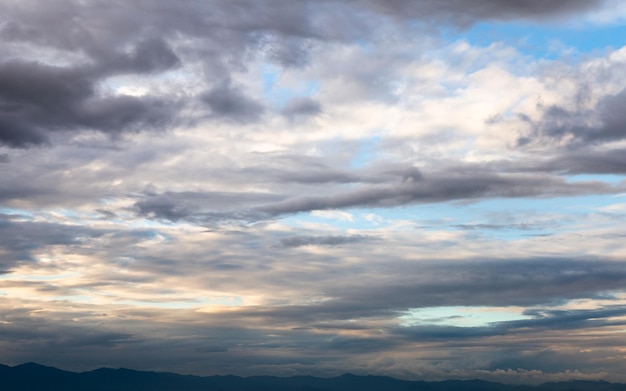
(224, 35)
(36, 98)
(29, 89)
(580, 128)
(332, 240)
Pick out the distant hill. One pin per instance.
(35, 377)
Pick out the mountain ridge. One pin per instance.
(34, 377)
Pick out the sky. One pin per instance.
(421, 189)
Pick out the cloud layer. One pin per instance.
(306, 187)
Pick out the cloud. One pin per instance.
(302, 107)
(201, 206)
(465, 12)
(170, 189)
(299, 241)
(502, 283)
(20, 240)
(470, 184)
(587, 161)
(555, 320)
(360, 345)
(438, 189)
(227, 102)
(37, 99)
(148, 56)
(579, 127)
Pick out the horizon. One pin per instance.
(404, 188)
(343, 375)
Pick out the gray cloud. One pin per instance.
(560, 162)
(338, 240)
(582, 127)
(500, 283)
(439, 189)
(585, 161)
(20, 239)
(511, 282)
(316, 333)
(310, 170)
(301, 108)
(520, 226)
(361, 345)
(467, 184)
(150, 55)
(288, 51)
(466, 12)
(63, 338)
(227, 102)
(200, 206)
(36, 99)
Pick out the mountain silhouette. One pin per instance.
(36, 377)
